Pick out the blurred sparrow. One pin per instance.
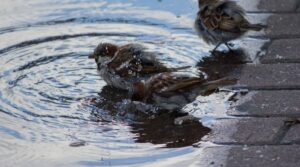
(172, 91)
(121, 66)
(220, 21)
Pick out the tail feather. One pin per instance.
(180, 68)
(212, 85)
(253, 27)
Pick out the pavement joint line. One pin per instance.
(265, 88)
(262, 37)
(272, 12)
(278, 37)
(273, 38)
(253, 144)
(297, 142)
(248, 116)
(280, 61)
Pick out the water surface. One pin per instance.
(51, 97)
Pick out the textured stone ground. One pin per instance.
(265, 129)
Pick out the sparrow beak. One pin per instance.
(92, 56)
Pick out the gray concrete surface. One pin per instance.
(264, 130)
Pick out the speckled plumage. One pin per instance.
(220, 21)
(122, 66)
(172, 91)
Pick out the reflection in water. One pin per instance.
(156, 128)
(113, 105)
(223, 64)
(162, 130)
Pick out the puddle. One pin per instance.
(55, 109)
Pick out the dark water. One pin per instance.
(54, 108)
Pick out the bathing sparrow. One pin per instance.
(220, 21)
(173, 90)
(121, 66)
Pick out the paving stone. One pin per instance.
(264, 156)
(277, 5)
(269, 5)
(249, 6)
(283, 50)
(250, 156)
(293, 135)
(268, 76)
(276, 95)
(246, 131)
(267, 103)
(215, 156)
(283, 26)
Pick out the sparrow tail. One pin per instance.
(253, 27)
(179, 68)
(211, 85)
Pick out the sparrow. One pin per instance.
(220, 21)
(171, 91)
(121, 66)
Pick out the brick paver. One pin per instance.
(283, 51)
(284, 26)
(277, 5)
(269, 5)
(292, 136)
(281, 103)
(250, 131)
(264, 156)
(250, 156)
(269, 76)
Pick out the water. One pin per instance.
(54, 108)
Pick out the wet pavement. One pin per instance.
(264, 128)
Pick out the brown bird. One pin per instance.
(220, 21)
(173, 90)
(121, 66)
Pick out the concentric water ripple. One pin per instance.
(52, 96)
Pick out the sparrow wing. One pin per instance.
(132, 60)
(125, 55)
(169, 83)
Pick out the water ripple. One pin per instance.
(62, 37)
(51, 95)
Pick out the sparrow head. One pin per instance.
(104, 52)
(203, 3)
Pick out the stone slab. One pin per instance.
(267, 103)
(268, 5)
(278, 5)
(264, 156)
(250, 156)
(214, 156)
(279, 25)
(246, 131)
(293, 135)
(283, 26)
(268, 76)
(283, 50)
